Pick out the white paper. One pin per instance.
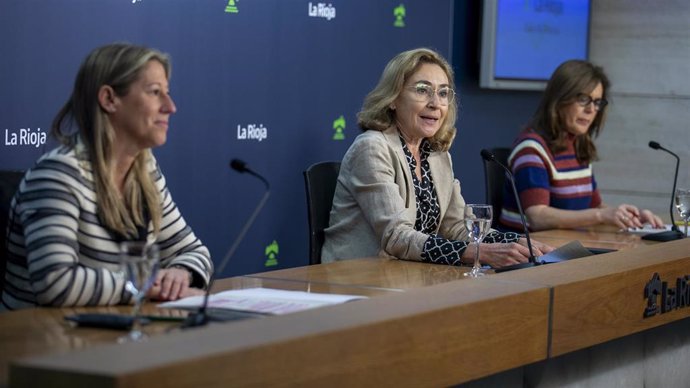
(646, 229)
(263, 300)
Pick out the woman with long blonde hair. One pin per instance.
(101, 187)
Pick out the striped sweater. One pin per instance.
(544, 178)
(59, 252)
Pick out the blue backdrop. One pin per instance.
(277, 83)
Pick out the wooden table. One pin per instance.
(423, 324)
(420, 334)
(606, 237)
(40, 331)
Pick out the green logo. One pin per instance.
(232, 7)
(271, 254)
(399, 13)
(339, 127)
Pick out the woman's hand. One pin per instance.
(191, 291)
(501, 254)
(647, 217)
(170, 284)
(504, 254)
(538, 248)
(624, 216)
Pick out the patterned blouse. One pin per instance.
(438, 250)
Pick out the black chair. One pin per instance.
(9, 182)
(494, 179)
(319, 181)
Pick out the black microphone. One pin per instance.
(674, 233)
(489, 157)
(201, 317)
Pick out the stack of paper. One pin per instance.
(263, 300)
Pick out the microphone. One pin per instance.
(674, 233)
(201, 318)
(490, 157)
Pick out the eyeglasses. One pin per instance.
(584, 100)
(425, 93)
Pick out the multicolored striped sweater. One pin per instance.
(544, 178)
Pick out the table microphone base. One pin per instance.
(212, 314)
(669, 235)
(195, 319)
(519, 266)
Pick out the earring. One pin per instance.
(392, 106)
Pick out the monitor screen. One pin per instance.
(523, 41)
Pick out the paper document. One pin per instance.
(263, 300)
(569, 251)
(645, 229)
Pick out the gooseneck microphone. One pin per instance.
(674, 233)
(490, 157)
(201, 317)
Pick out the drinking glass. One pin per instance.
(683, 206)
(138, 265)
(477, 222)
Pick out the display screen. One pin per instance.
(525, 40)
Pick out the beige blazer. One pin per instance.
(374, 208)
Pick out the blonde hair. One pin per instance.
(117, 65)
(376, 113)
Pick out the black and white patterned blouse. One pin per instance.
(437, 249)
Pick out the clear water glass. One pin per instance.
(683, 206)
(477, 220)
(139, 263)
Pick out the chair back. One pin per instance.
(9, 182)
(494, 180)
(319, 180)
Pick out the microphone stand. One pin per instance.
(674, 233)
(201, 318)
(489, 157)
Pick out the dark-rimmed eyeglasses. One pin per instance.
(424, 93)
(584, 100)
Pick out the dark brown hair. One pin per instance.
(570, 79)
